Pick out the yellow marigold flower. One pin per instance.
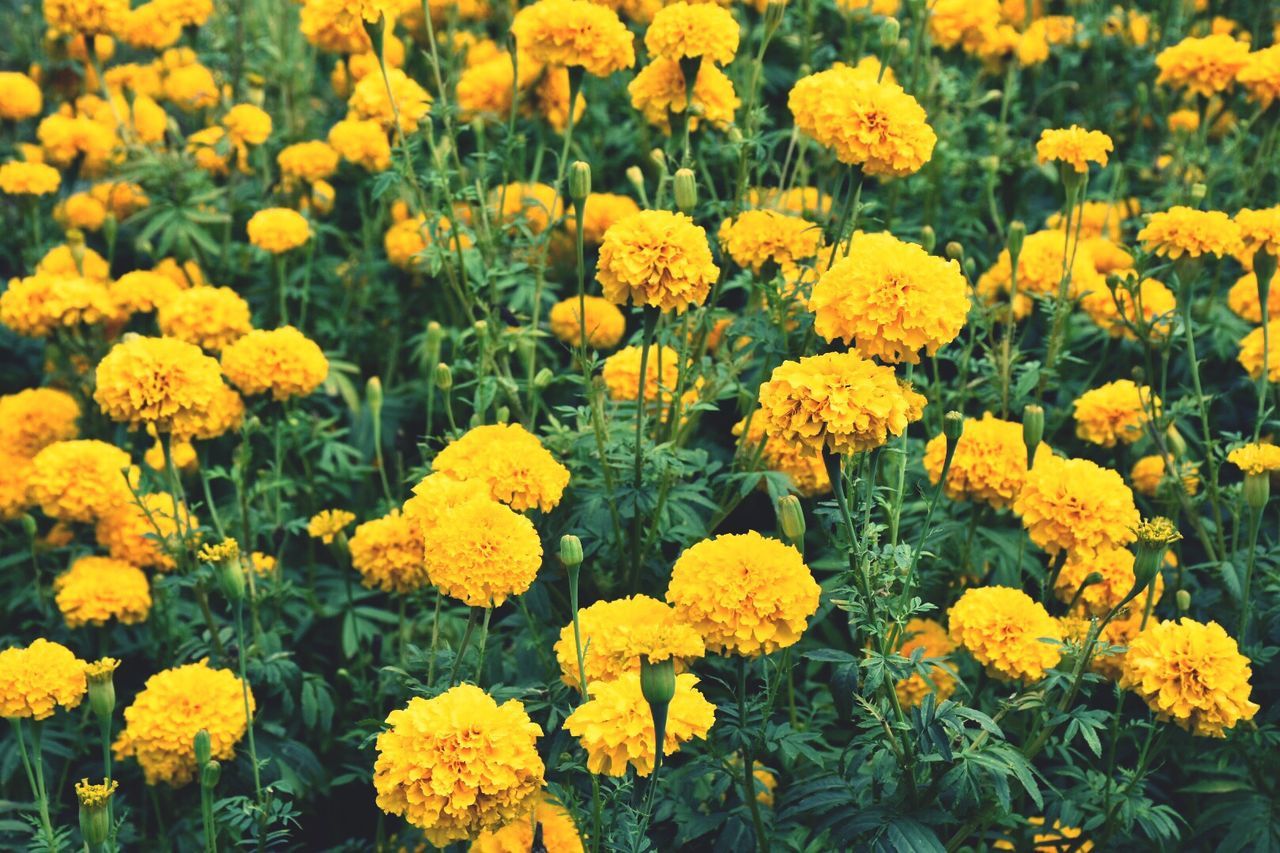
(262, 565)
(1074, 146)
(363, 143)
(146, 534)
(1256, 459)
(757, 237)
(410, 237)
(97, 589)
(32, 419)
(420, 755)
(1260, 76)
(1034, 44)
(65, 137)
(278, 229)
(335, 25)
(556, 831)
(605, 323)
(932, 638)
(745, 593)
(890, 299)
(432, 499)
(85, 17)
(1108, 257)
(1115, 412)
(801, 462)
(536, 206)
(80, 480)
(219, 552)
(869, 123)
(884, 8)
(1153, 303)
(1004, 630)
(19, 178)
(615, 726)
(509, 462)
(799, 201)
(1251, 348)
(482, 552)
(990, 461)
(1259, 231)
(1191, 673)
(61, 262)
(37, 305)
(1182, 231)
(174, 705)
(702, 31)
(36, 679)
(1058, 838)
(1149, 474)
(387, 552)
(20, 96)
(659, 90)
(551, 94)
(311, 161)
(575, 33)
(283, 361)
(80, 210)
(149, 28)
(615, 634)
(328, 523)
(162, 382)
(1075, 505)
(657, 259)
(191, 88)
(209, 317)
(224, 413)
(1204, 66)
(247, 124)
(962, 22)
(840, 399)
(183, 453)
(1114, 565)
(15, 472)
(1040, 266)
(1097, 218)
(621, 374)
(369, 100)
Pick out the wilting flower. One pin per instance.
(509, 462)
(989, 464)
(97, 589)
(1074, 504)
(614, 635)
(1004, 630)
(35, 680)
(657, 259)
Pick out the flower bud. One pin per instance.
(502, 414)
(579, 181)
(1154, 538)
(1183, 600)
(889, 32)
(444, 377)
(657, 680)
(686, 190)
(791, 519)
(734, 135)
(954, 251)
(570, 551)
(99, 676)
(659, 159)
(95, 811)
(1264, 268)
(543, 378)
(210, 773)
(990, 163)
(203, 747)
(1032, 430)
(635, 177)
(1177, 444)
(928, 238)
(373, 393)
(1013, 242)
(1198, 192)
(952, 427)
(1257, 490)
(29, 526)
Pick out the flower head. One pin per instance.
(509, 462)
(362, 142)
(458, 764)
(1147, 302)
(801, 462)
(162, 382)
(36, 679)
(174, 705)
(1204, 66)
(1115, 412)
(283, 361)
(147, 532)
(605, 323)
(482, 552)
(656, 258)
(1003, 629)
(614, 634)
(1191, 673)
(1260, 75)
(328, 523)
(989, 464)
(1074, 146)
(209, 317)
(575, 33)
(388, 554)
(659, 90)
(745, 593)
(20, 96)
(757, 237)
(615, 726)
(142, 291)
(1075, 505)
(1252, 347)
(1182, 231)
(38, 305)
(1259, 229)
(556, 831)
(19, 178)
(97, 589)
(278, 229)
(81, 479)
(700, 31)
(1256, 459)
(930, 637)
(1040, 268)
(32, 419)
(1114, 568)
(1149, 475)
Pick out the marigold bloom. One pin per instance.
(1058, 837)
(605, 323)
(369, 100)
(1256, 459)
(85, 17)
(310, 161)
(534, 205)
(869, 123)
(1149, 302)
(556, 831)
(38, 305)
(1259, 231)
(840, 399)
(1033, 46)
(247, 124)
(890, 299)
(328, 523)
(1114, 565)
(363, 143)
(162, 382)
(602, 210)
(1148, 475)
(657, 259)
(146, 534)
(659, 90)
(142, 291)
(509, 462)
(36, 679)
(482, 552)
(278, 229)
(15, 472)
(175, 704)
(932, 638)
(801, 462)
(1097, 218)
(693, 31)
(1040, 271)
(621, 374)
(615, 634)
(432, 499)
(1075, 505)
(575, 33)
(1260, 75)
(1182, 231)
(1003, 629)
(615, 726)
(97, 589)
(1191, 673)
(458, 764)
(183, 452)
(20, 96)
(809, 202)
(81, 479)
(19, 178)
(962, 22)
(745, 593)
(757, 237)
(61, 262)
(1252, 346)
(989, 464)
(225, 412)
(1074, 146)
(1204, 66)
(1115, 412)
(32, 419)
(387, 552)
(209, 317)
(283, 361)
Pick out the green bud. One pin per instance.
(1177, 444)
(1013, 242)
(100, 678)
(231, 579)
(579, 181)
(570, 551)
(502, 414)
(95, 812)
(29, 526)
(204, 747)
(210, 773)
(954, 251)
(657, 680)
(444, 377)
(889, 31)
(990, 163)
(734, 135)
(952, 427)
(635, 177)
(659, 159)
(1264, 268)
(928, 238)
(1183, 599)
(686, 190)
(1198, 192)
(1154, 538)
(373, 392)
(1032, 430)
(435, 335)
(543, 378)
(1257, 490)
(791, 519)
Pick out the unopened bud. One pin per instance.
(210, 773)
(543, 378)
(657, 680)
(1154, 538)
(570, 551)
(444, 377)
(954, 251)
(1013, 242)
(659, 159)
(928, 238)
(1177, 444)
(29, 526)
(579, 181)
(100, 677)
(990, 163)
(95, 813)
(1032, 430)
(791, 519)
(889, 31)
(1183, 599)
(953, 427)
(1198, 192)
(1264, 268)
(686, 190)
(373, 393)
(1257, 490)
(734, 135)
(636, 178)
(203, 746)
